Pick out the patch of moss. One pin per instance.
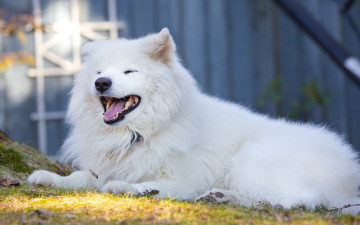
(13, 160)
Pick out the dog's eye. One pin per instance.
(98, 72)
(129, 71)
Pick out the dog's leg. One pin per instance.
(78, 179)
(166, 188)
(117, 186)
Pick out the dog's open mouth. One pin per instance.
(115, 109)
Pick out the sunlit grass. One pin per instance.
(20, 205)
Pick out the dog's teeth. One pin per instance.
(128, 103)
(108, 104)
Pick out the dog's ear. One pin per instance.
(88, 48)
(161, 46)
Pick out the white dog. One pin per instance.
(139, 123)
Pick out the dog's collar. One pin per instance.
(135, 138)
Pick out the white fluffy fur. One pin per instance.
(192, 144)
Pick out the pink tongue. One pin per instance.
(115, 107)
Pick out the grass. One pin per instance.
(41, 205)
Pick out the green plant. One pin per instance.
(271, 92)
(311, 96)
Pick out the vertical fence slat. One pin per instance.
(239, 48)
(262, 48)
(168, 16)
(309, 63)
(124, 14)
(194, 36)
(288, 36)
(142, 17)
(217, 47)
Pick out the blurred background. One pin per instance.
(246, 51)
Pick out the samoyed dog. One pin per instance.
(140, 123)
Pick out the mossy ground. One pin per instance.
(17, 161)
(26, 204)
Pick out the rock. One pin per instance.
(9, 183)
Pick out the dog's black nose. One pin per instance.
(102, 84)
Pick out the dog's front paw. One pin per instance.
(213, 196)
(118, 187)
(42, 177)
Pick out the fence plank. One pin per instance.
(217, 47)
(168, 13)
(143, 18)
(262, 48)
(240, 62)
(124, 14)
(310, 59)
(288, 38)
(194, 40)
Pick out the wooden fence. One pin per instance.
(247, 51)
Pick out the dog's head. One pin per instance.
(128, 82)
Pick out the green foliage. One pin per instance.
(311, 96)
(320, 209)
(314, 94)
(264, 205)
(272, 92)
